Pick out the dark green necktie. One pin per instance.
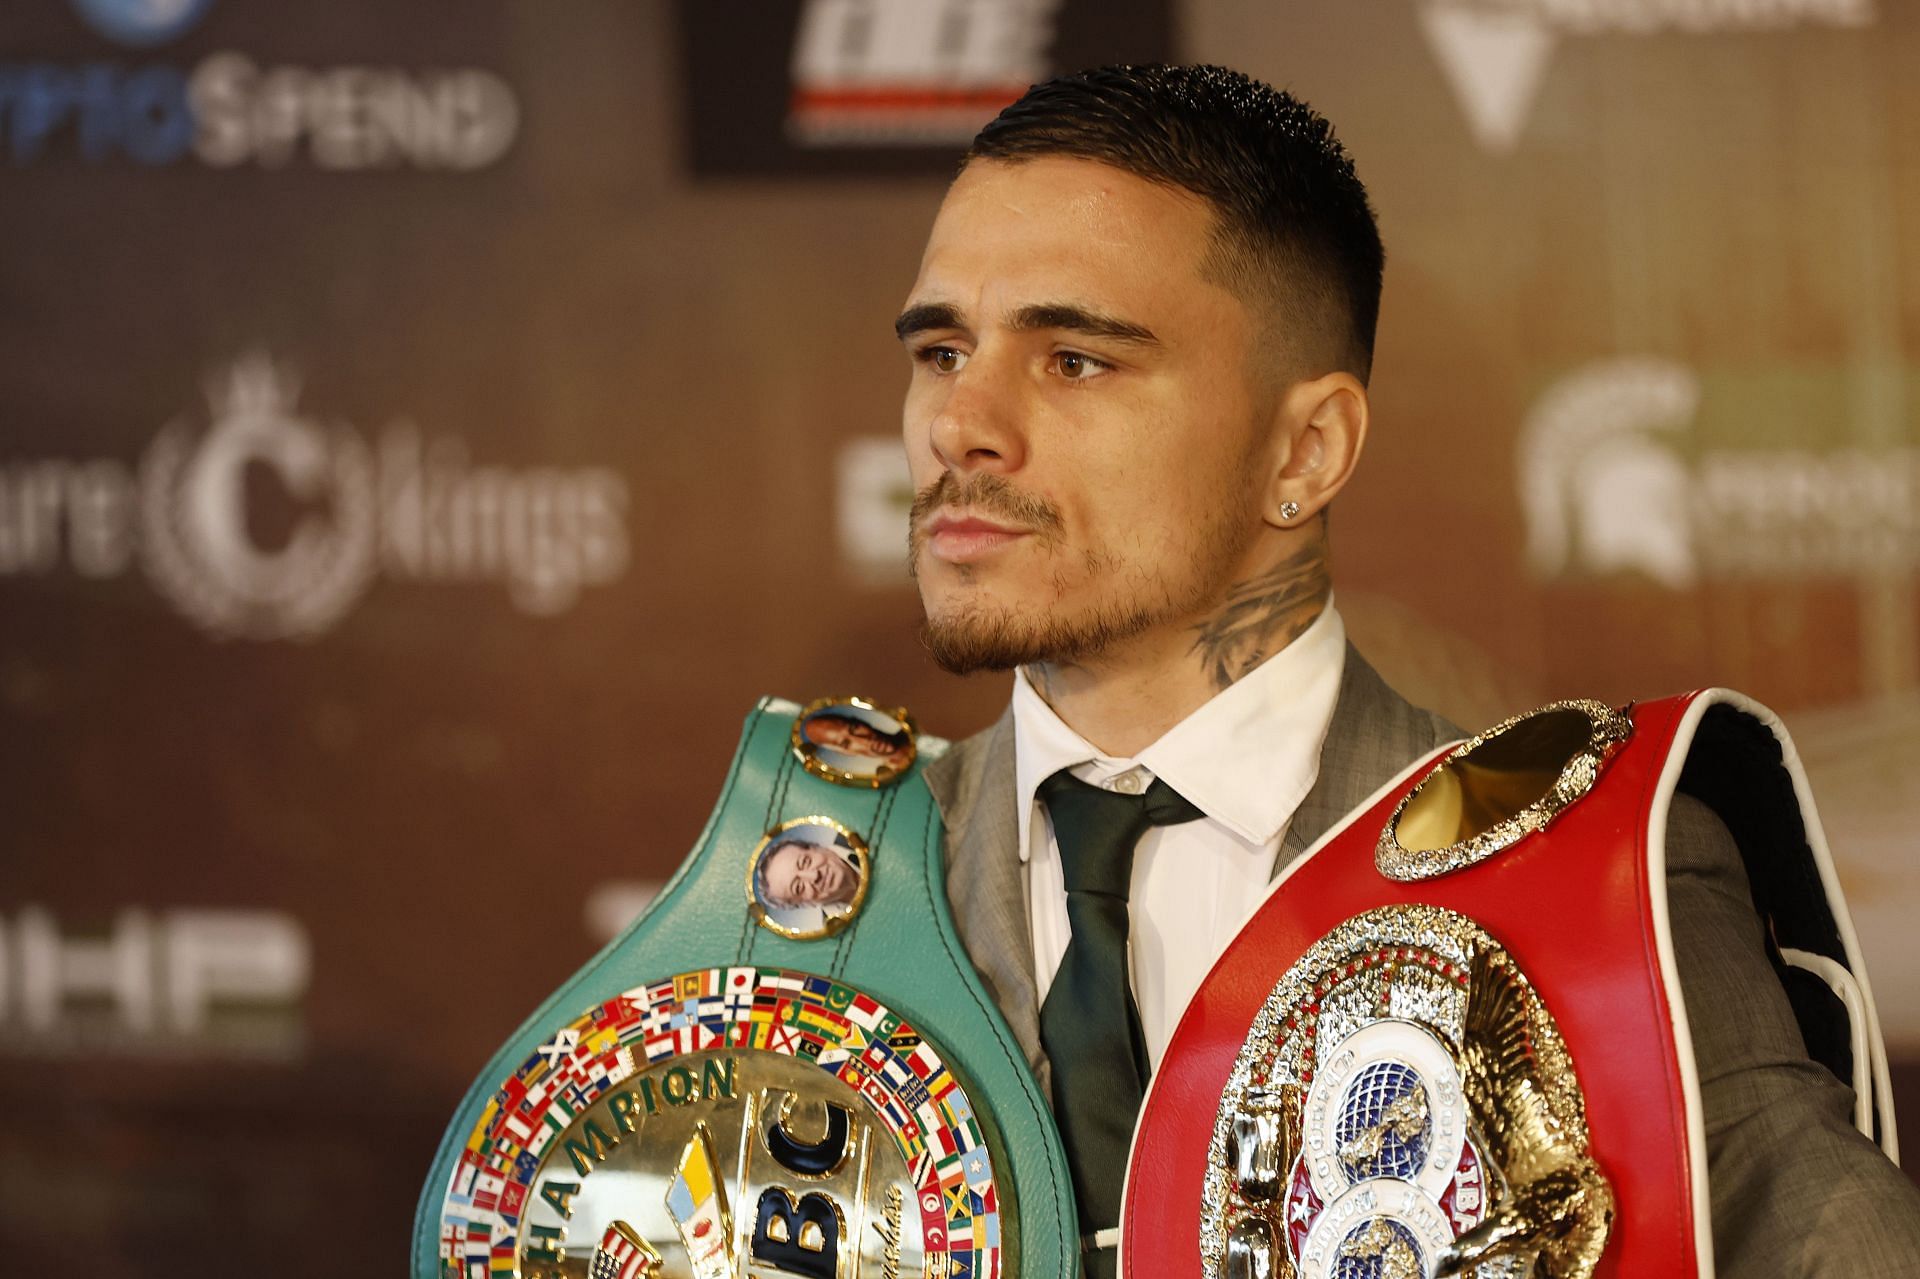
(1089, 1024)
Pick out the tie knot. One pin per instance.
(1098, 828)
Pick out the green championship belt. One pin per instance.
(786, 1066)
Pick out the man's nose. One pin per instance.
(979, 426)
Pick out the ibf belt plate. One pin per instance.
(1403, 1107)
(723, 1122)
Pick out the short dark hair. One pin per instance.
(1294, 224)
(763, 887)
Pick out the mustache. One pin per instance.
(989, 494)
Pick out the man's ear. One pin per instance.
(1324, 425)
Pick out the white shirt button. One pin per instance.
(1127, 783)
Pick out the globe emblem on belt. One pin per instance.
(1402, 1082)
(1386, 1103)
(1384, 1126)
(1380, 1248)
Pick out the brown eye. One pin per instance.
(1076, 367)
(944, 359)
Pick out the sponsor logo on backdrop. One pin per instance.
(142, 22)
(874, 498)
(1607, 487)
(1494, 53)
(913, 72)
(263, 522)
(229, 110)
(194, 529)
(227, 983)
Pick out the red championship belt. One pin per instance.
(1452, 1035)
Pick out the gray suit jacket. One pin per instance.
(1796, 1190)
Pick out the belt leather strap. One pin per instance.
(1004, 1207)
(1580, 909)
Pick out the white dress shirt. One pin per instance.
(1246, 759)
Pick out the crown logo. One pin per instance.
(254, 386)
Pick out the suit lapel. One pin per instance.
(1373, 735)
(973, 783)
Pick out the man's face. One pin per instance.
(808, 875)
(1084, 425)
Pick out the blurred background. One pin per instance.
(425, 430)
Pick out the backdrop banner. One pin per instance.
(419, 439)
(811, 87)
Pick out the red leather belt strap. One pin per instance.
(1580, 907)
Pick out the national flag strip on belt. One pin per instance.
(526, 1112)
(780, 979)
(479, 1244)
(598, 1064)
(513, 1202)
(658, 1017)
(687, 1039)
(561, 1109)
(823, 1020)
(807, 1017)
(906, 1085)
(486, 1190)
(488, 1114)
(866, 1014)
(700, 1010)
(620, 1013)
(466, 1170)
(623, 1254)
(922, 1061)
(697, 1202)
(741, 987)
(558, 1049)
(896, 1117)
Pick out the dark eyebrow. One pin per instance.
(928, 315)
(1051, 315)
(1078, 319)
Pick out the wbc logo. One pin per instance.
(727, 1122)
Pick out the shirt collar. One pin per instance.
(1247, 757)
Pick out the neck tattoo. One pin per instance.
(1263, 615)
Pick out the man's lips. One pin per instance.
(961, 539)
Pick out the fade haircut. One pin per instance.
(1293, 231)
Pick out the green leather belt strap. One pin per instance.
(899, 950)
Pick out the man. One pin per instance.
(855, 737)
(1141, 337)
(795, 875)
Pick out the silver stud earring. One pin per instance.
(1289, 509)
